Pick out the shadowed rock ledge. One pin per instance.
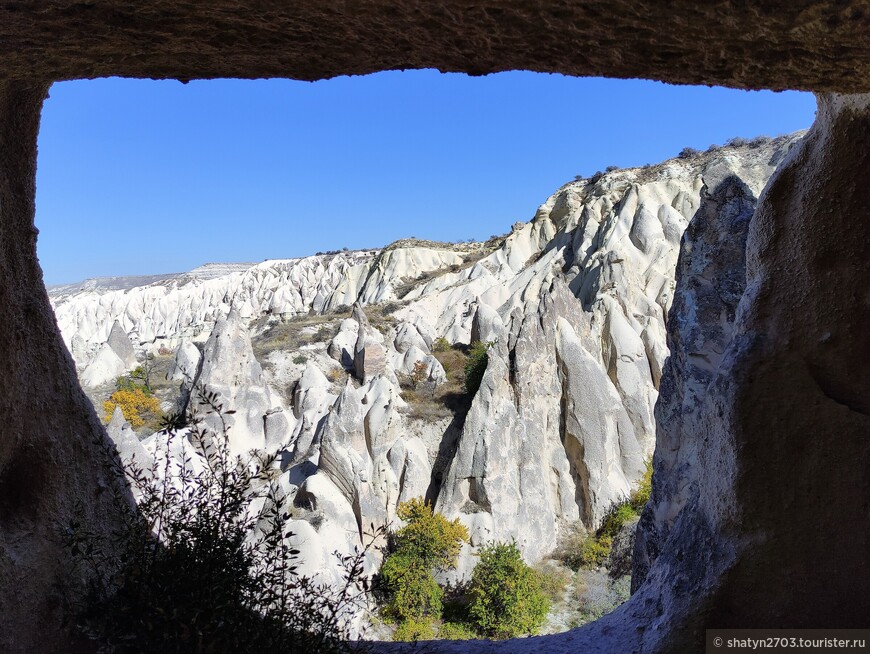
(779, 44)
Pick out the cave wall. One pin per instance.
(785, 472)
(774, 531)
(52, 446)
(777, 527)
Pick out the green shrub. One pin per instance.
(441, 344)
(640, 495)
(300, 359)
(427, 542)
(410, 631)
(505, 595)
(141, 373)
(476, 366)
(584, 551)
(429, 537)
(132, 381)
(591, 551)
(615, 518)
(414, 594)
(594, 551)
(456, 631)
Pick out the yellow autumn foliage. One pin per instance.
(134, 403)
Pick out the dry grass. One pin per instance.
(449, 399)
(570, 547)
(336, 375)
(554, 580)
(409, 285)
(424, 406)
(596, 595)
(294, 333)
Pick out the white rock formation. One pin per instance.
(408, 349)
(186, 364)
(342, 346)
(369, 358)
(573, 303)
(121, 345)
(230, 370)
(174, 307)
(105, 367)
(126, 442)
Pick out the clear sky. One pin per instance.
(140, 176)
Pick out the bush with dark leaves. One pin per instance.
(200, 563)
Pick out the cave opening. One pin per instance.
(776, 534)
(144, 309)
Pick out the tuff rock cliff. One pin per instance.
(328, 359)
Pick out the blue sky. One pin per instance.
(141, 176)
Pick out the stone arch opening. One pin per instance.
(787, 426)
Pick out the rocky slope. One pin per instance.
(574, 304)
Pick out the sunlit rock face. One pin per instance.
(573, 305)
(564, 417)
(231, 372)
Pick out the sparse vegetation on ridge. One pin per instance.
(476, 366)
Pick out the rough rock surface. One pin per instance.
(573, 303)
(408, 349)
(341, 347)
(619, 561)
(186, 306)
(126, 442)
(121, 345)
(711, 278)
(105, 367)
(186, 366)
(780, 44)
(230, 369)
(369, 358)
(532, 454)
